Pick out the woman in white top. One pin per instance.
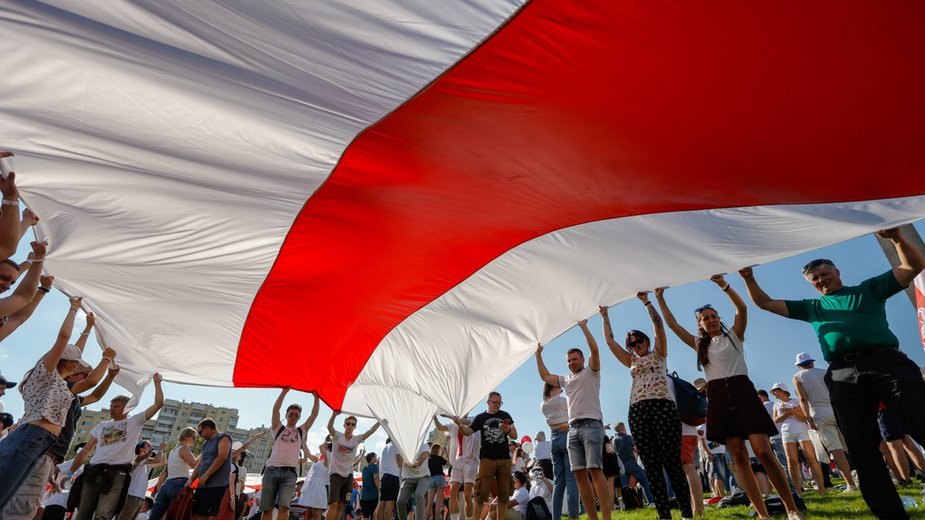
(734, 414)
(314, 493)
(542, 454)
(653, 414)
(179, 463)
(794, 432)
(555, 410)
(46, 398)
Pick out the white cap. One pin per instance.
(780, 386)
(72, 353)
(802, 358)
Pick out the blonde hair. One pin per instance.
(187, 432)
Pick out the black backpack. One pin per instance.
(632, 498)
(692, 405)
(537, 510)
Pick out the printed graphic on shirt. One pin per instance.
(492, 432)
(343, 449)
(114, 434)
(289, 436)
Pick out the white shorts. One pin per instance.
(789, 437)
(464, 472)
(830, 434)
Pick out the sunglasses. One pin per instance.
(634, 342)
(819, 262)
(698, 310)
(350, 424)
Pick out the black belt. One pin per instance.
(851, 357)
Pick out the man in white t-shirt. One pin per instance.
(586, 427)
(809, 384)
(138, 487)
(415, 478)
(343, 458)
(389, 480)
(464, 459)
(114, 440)
(281, 473)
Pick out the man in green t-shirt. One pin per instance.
(865, 363)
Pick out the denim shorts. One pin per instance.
(586, 444)
(437, 482)
(278, 486)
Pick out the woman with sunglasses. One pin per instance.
(735, 414)
(653, 414)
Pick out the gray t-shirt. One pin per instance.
(584, 394)
(813, 380)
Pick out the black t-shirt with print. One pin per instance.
(494, 440)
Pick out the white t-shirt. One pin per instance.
(388, 462)
(539, 489)
(727, 357)
(115, 440)
(60, 498)
(542, 450)
(421, 471)
(139, 484)
(555, 410)
(522, 496)
(343, 454)
(470, 445)
(715, 448)
(790, 424)
(769, 406)
(287, 448)
(813, 381)
(584, 394)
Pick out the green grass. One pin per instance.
(835, 505)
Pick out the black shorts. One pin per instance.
(388, 488)
(735, 410)
(208, 501)
(891, 428)
(369, 507)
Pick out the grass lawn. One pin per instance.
(834, 505)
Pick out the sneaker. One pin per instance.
(714, 500)
(795, 515)
(850, 489)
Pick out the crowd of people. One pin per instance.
(863, 415)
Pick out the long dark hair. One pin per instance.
(704, 339)
(547, 390)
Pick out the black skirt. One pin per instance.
(734, 410)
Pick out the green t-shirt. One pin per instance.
(852, 319)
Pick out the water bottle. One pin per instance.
(909, 502)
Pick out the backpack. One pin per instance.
(692, 405)
(282, 428)
(632, 498)
(537, 510)
(736, 499)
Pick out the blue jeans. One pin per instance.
(19, 453)
(564, 478)
(633, 469)
(168, 492)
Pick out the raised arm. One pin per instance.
(440, 426)
(661, 341)
(29, 219)
(594, 360)
(911, 261)
(103, 387)
(248, 442)
(85, 335)
(331, 429)
(464, 427)
(158, 397)
(312, 416)
(64, 335)
(741, 319)
(9, 215)
(761, 298)
(311, 456)
(541, 368)
(19, 317)
(672, 323)
(622, 355)
(370, 431)
(96, 375)
(29, 283)
(275, 420)
(82, 455)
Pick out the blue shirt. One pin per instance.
(370, 491)
(209, 453)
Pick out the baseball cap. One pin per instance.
(5, 383)
(72, 353)
(780, 386)
(802, 358)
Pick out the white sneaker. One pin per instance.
(795, 515)
(850, 489)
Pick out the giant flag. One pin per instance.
(390, 202)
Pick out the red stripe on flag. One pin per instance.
(582, 111)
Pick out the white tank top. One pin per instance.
(813, 380)
(176, 466)
(726, 357)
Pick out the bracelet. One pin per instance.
(7, 202)
(648, 303)
(44, 290)
(35, 260)
(84, 333)
(726, 288)
(109, 359)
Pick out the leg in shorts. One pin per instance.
(688, 448)
(341, 489)
(207, 501)
(278, 486)
(496, 472)
(829, 433)
(388, 487)
(464, 472)
(586, 444)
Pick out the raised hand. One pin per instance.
(718, 279)
(602, 309)
(539, 348)
(39, 249)
(746, 273)
(109, 353)
(8, 187)
(889, 234)
(158, 378)
(29, 217)
(643, 296)
(583, 323)
(46, 281)
(91, 319)
(660, 291)
(75, 302)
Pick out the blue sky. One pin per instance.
(771, 343)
